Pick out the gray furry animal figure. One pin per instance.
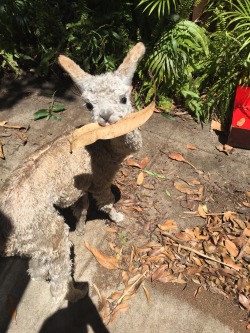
(52, 177)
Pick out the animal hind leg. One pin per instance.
(80, 212)
(38, 269)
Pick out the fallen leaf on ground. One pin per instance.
(140, 178)
(123, 307)
(176, 157)
(231, 248)
(224, 149)
(1, 151)
(244, 301)
(168, 225)
(146, 293)
(191, 147)
(111, 230)
(144, 162)
(103, 259)
(215, 125)
(149, 187)
(185, 189)
(22, 136)
(133, 163)
(201, 211)
(4, 124)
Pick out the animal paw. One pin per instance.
(118, 217)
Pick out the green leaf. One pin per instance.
(154, 174)
(58, 108)
(55, 117)
(42, 113)
(167, 193)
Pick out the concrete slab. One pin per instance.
(172, 309)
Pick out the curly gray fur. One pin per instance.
(30, 225)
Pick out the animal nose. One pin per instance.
(105, 116)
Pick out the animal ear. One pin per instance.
(76, 73)
(128, 67)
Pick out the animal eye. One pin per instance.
(89, 106)
(123, 100)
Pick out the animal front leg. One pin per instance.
(105, 203)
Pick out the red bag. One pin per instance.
(240, 129)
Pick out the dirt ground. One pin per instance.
(152, 187)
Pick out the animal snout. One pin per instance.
(107, 117)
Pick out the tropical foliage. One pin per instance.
(196, 62)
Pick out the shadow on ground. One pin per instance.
(15, 89)
(77, 316)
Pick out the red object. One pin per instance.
(240, 129)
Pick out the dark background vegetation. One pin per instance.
(198, 51)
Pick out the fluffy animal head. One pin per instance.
(106, 96)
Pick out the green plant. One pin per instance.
(239, 21)
(174, 61)
(228, 64)
(123, 238)
(49, 112)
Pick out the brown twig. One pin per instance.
(204, 256)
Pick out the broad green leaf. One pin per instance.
(58, 108)
(42, 113)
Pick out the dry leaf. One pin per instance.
(191, 147)
(125, 277)
(114, 247)
(158, 272)
(194, 271)
(137, 208)
(176, 157)
(123, 307)
(202, 212)
(224, 149)
(227, 260)
(4, 124)
(149, 187)
(166, 277)
(247, 193)
(215, 125)
(246, 232)
(184, 188)
(146, 293)
(133, 163)
(231, 248)
(103, 259)
(22, 136)
(194, 182)
(144, 162)
(140, 178)
(111, 230)
(1, 151)
(92, 132)
(244, 301)
(168, 225)
(116, 295)
(241, 122)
